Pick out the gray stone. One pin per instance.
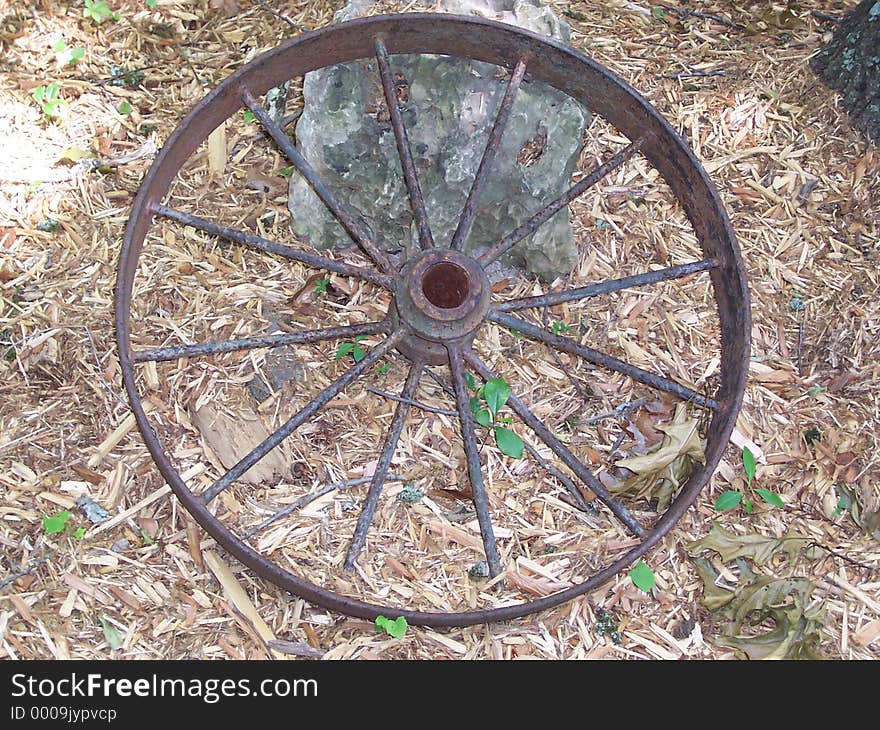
(448, 107)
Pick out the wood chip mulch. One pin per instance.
(802, 190)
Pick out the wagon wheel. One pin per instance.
(440, 300)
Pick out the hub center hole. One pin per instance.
(446, 285)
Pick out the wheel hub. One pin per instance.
(441, 296)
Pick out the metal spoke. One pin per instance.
(372, 499)
(606, 287)
(546, 213)
(264, 244)
(416, 200)
(251, 343)
(472, 455)
(552, 470)
(355, 228)
(558, 448)
(470, 207)
(306, 413)
(599, 358)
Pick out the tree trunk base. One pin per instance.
(850, 64)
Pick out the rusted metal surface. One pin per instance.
(355, 228)
(605, 287)
(441, 297)
(263, 244)
(566, 344)
(371, 501)
(251, 343)
(414, 190)
(551, 209)
(466, 221)
(565, 455)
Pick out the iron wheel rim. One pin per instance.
(553, 63)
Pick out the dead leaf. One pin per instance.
(714, 596)
(72, 155)
(796, 629)
(853, 502)
(756, 547)
(661, 471)
(308, 291)
(149, 525)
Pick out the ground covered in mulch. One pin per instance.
(129, 575)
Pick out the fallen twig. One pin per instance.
(280, 16)
(296, 648)
(620, 413)
(309, 498)
(686, 13)
(86, 165)
(845, 558)
(410, 402)
(694, 74)
(825, 16)
(24, 571)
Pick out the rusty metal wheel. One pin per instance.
(438, 304)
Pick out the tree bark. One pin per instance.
(850, 64)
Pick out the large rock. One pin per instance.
(448, 107)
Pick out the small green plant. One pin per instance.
(796, 304)
(67, 56)
(642, 577)
(384, 368)
(485, 404)
(844, 503)
(395, 628)
(812, 435)
(126, 78)
(111, 635)
(659, 14)
(353, 348)
(559, 328)
(284, 171)
(97, 11)
(249, 116)
(50, 225)
(607, 626)
(48, 100)
(61, 523)
(410, 494)
(321, 285)
(731, 498)
(151, 3)
(124, 108)
(55, 523)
